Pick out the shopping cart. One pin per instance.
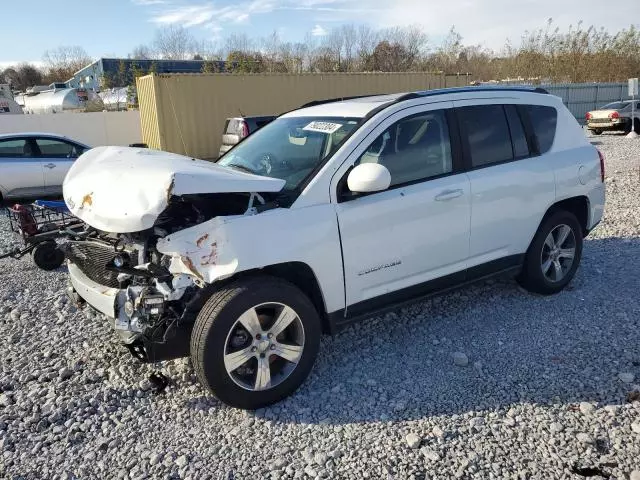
(40, 225)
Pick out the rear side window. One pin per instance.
(543, 121)
(487, 132)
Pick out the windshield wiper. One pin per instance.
(240, 167)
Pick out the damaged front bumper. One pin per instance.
(124, 306)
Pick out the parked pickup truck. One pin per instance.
(329, 214)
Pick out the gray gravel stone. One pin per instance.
(430, 454)
(413, 440)
(635, 475)
(626, 377)
(460, 359)
(584, 438)
(587, 408)
(556, 427)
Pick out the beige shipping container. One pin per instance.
(186, 113)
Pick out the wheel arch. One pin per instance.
(579, 206)
(297, 273)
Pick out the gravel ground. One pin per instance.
(488, 382)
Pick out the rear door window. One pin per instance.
(486, 131)
(51, 148)
(543, 121)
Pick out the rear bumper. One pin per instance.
(609, 126)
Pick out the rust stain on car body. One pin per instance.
(192, 268)
(87, 200)
(202, 239)
(212, 258)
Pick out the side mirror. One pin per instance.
(369, 177)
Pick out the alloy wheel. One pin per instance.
(558, 253)
(264, 346)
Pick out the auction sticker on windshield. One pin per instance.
(323, 127)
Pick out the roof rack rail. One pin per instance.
(437, 91)
(339, 99)
(474, 88)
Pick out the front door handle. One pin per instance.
(50, 165)
(449, 195)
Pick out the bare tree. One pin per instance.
(63, 62)
(237, 42)
(141, 52)
(350, 36)
(365, 44)
(174, 43)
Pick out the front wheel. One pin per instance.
(596, 132)
(255, 341)
(554, 255)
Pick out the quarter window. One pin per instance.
(487, 132)
(543, 121)
(414, 148)
(15, 148)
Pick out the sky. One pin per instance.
(116, 27)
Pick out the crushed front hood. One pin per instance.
(123, 190)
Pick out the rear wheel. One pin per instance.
(47, 256)
(636, 126)
(255, 342)
(554, 254)
(596, 132)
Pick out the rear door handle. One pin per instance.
(449, 195)
(50, 165)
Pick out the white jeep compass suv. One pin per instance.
(331, 213)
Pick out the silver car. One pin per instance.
(35, 164)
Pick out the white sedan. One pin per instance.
(35, 164)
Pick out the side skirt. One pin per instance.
(511, 265)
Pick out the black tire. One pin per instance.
(636, 126)
(216, 321)
(596, 132)
(532, 277)
(47, 256)
(627, 127)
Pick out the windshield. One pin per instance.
(616, 106)
(289, 148)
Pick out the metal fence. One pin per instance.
(581, 98)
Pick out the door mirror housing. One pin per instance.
(369, 177)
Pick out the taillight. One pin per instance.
(614, 115)
(589, 116)
(601, 165)
(244, 129)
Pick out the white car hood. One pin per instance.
(122, 190)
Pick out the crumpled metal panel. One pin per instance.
(124, 190)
